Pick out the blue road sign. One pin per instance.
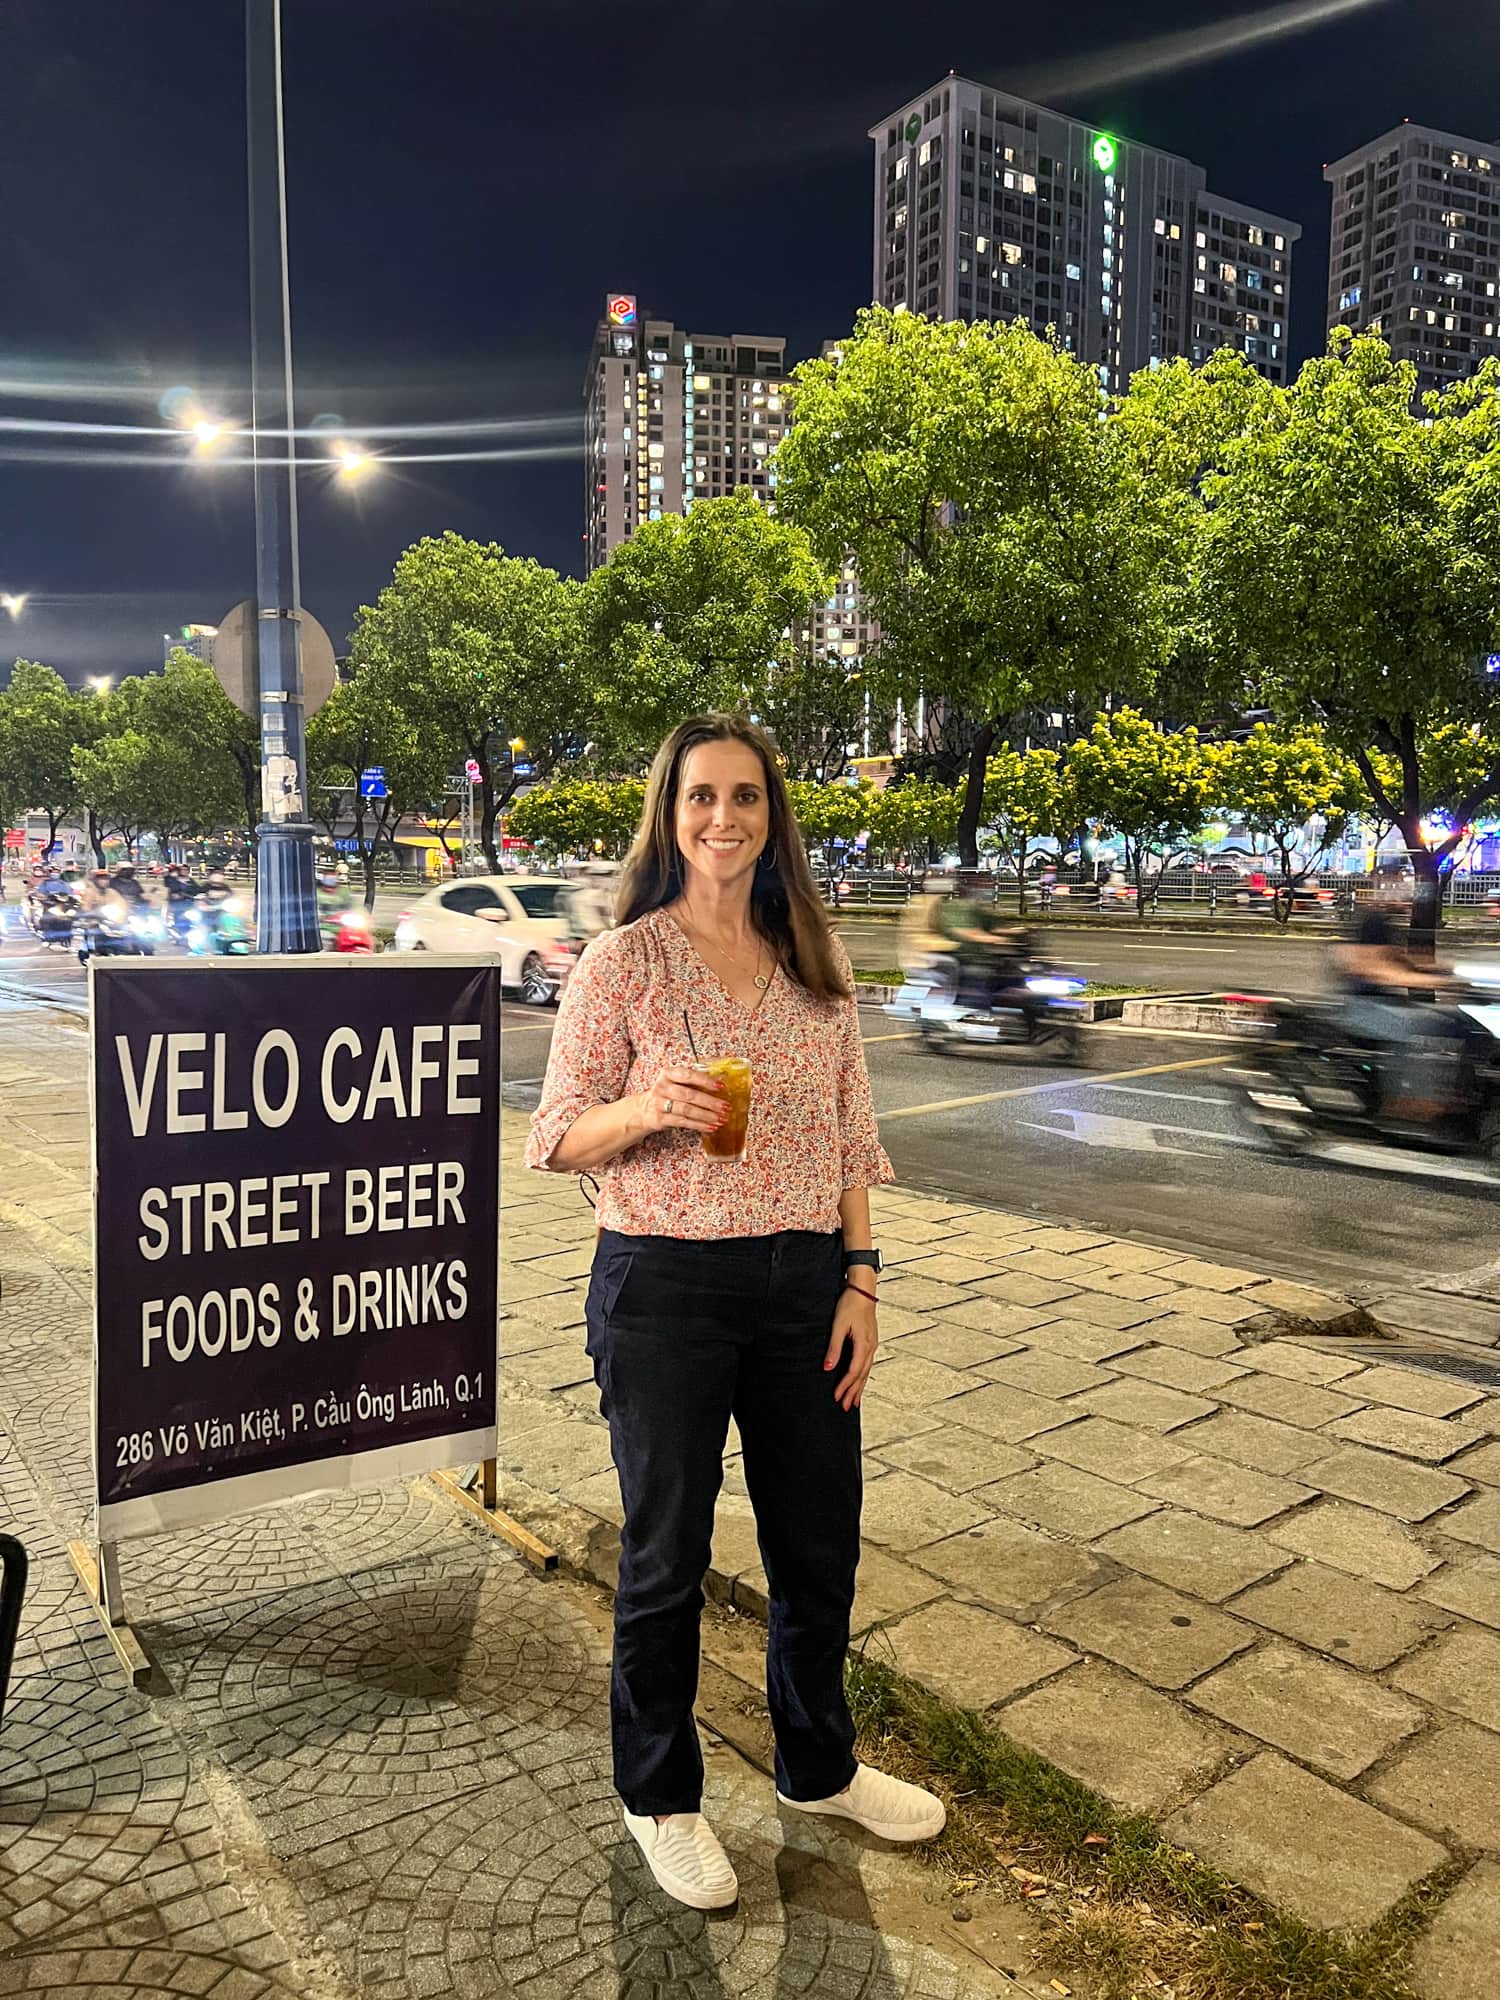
(372, 783)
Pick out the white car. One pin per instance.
(521, 918)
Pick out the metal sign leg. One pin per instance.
(99, 1574)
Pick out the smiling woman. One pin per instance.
(732, 1277)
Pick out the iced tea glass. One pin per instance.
(728, 1141)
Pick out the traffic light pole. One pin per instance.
(287, 919)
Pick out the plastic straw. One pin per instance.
(689, 1026)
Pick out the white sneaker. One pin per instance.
(683, 1853)
(882, 1805)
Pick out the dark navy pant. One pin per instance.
(684, 1335)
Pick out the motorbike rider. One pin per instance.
(990, 948)
(127, 887)
(97, 890)
(179, 884)
(334, 898)
(217, 887)
(1391, 1003)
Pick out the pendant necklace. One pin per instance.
(761, 980)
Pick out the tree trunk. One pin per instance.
(1021, 854)
(1137, 859)
(1426, 898)
(968, 818)
(96, 837)
(367, 862)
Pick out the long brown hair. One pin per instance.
(785, 906)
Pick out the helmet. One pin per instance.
(328, 878)
(126, 868)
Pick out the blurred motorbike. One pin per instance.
(348, 931)
(1312, 1083)
(117, 930)
(219, 928)
(1043, 1011)
(50, 916)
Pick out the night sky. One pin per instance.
(467, 178)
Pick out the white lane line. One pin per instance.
(1164, 1096)
(1202, 950)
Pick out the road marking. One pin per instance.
(1204, 950)
(1035, 1089)
(906, 1035)
(1164, 1096)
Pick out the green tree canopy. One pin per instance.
(41, 722)
(693, 613)
(357, 727)
(913, 817)
(1350, 576)
(1005, 531)
(827, 814)
(1149, 785)
(574, 814)
(480, 648)
(1027, 797)
(161, 758)
(1282, 783)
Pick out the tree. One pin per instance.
(481, 648)
(574, 814)
(913, 817)
(1149, 785)
(41, 722)
(692, 613)
(1003, 527)
(829, 814)
(160, 758)
(1026, 797)
(1280, 783)
(357, 727)
(1350, 576)
(817, 705)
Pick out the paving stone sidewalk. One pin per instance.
(1223, 1571)
(1138, 1508)
(376, 1761)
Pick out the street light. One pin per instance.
(101, 683)
(13, 603)
(352, 459)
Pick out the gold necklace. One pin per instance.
(761, 979)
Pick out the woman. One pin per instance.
(721, 1288)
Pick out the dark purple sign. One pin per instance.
(297, 1218)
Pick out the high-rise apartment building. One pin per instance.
(988, 207)
(1415, 248)
(673, 417)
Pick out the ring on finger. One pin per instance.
(667, 1106)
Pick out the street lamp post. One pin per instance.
(286, 907)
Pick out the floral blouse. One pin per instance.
(812, 1123)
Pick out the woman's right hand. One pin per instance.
(682, 1099)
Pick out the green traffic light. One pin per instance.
(1104, 153)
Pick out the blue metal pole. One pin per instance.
(287, 919)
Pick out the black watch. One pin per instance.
(870, 1257)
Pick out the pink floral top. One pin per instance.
(812, 1123)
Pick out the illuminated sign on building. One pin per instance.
(1104, 153)
(620, 309)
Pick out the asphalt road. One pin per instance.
(1146, 1141)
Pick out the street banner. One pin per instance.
(296, 1203)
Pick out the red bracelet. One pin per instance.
(850, 1286)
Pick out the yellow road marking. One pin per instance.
(1061, 1083)
(905, 1035)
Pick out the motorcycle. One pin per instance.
(219, 928)
(50, 917)
(117, 930)
(1313, 1085)
(347, 931)
(1044, 1011)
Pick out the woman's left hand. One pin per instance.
(854, 1330)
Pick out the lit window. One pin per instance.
(1074, 272)
(926, 153)
(1109, 258)
(654, 449)
(1176, 232)
(1011, 252)
(1161, 225)
(657, 482)
(1229, 274)
(1200, 284)
(1200, 240)
(981, 244)
(1280, 242)
(702, 381)
(901, 168)
(1107, 281)
(1028, 183)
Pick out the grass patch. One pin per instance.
(1118, 1904)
